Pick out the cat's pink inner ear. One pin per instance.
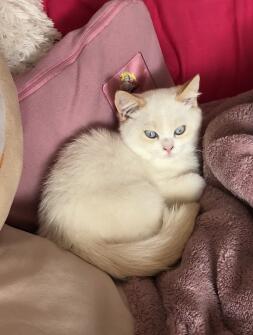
(127, 103)
(189, 92)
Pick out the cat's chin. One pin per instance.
(163, 157)
(170, 156)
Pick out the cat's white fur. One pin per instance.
(119, 200)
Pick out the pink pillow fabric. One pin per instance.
(72, 89)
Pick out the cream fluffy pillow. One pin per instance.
(26, 33)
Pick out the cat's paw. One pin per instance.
(198, 185)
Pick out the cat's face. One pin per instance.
(160, 124)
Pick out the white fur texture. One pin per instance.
(113, 199)
(26, 33)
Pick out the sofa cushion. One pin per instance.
(192, 41)
(11, 145)
(49, 291)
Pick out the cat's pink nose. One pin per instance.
(168, 148)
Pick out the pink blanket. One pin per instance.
(211, 291)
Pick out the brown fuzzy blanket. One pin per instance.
(211, 291)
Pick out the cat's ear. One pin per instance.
(127, 104)
(189, 92)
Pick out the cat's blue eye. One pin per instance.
(180, 130)
(151, 134)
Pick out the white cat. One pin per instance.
(126, 201)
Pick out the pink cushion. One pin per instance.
(72, 87)
(213, 38)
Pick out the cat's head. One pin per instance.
(160, 124)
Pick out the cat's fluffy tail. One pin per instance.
(145, 257)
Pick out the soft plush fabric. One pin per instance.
(11, 151)
(210, 292)
(228, 152)
(26, 33)
(213, 38)
(48, 291)
(72, 87)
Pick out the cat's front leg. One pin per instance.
(186, 188)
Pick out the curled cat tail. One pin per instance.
(145, 257)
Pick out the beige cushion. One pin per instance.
(12, 160)
(49, 291)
